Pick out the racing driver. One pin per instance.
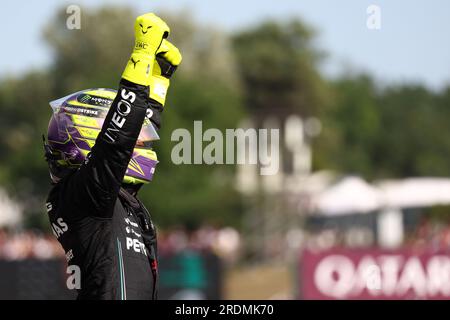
(99, 155)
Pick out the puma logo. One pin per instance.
(134, 62)
(142, 28)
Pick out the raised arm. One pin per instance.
(96, 184)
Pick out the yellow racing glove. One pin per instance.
(168, 58)
(149, 31)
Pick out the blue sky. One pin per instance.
(412, 45)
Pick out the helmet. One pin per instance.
(75, 124)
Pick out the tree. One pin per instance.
(278, 65)
(384, 132)
(414, 137)
(351, 124)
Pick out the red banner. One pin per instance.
(374, 274)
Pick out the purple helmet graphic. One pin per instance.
(74, 126)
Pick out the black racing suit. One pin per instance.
(104, 230)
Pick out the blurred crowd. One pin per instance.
(334, 237)
(19, 245)
(432, 235)
(225, 242)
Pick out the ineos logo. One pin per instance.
(118, 119)
(123, 108)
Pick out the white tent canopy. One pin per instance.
(416, 192)
(354, 195)
(10, 211)
(351, 194)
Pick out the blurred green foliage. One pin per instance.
(385, 131)
(278, 64)
(370, 130)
